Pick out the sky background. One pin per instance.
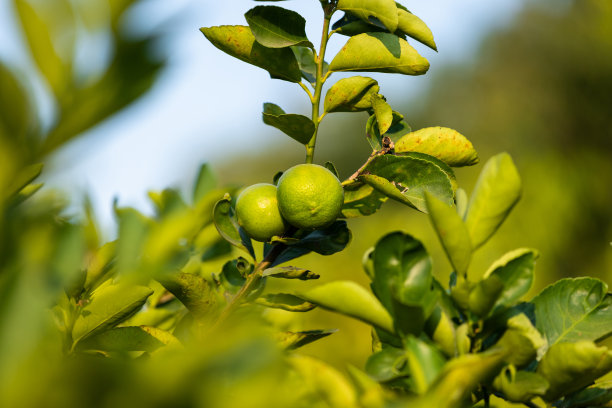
(207, 103)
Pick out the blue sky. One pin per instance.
(206, 98)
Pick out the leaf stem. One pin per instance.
(328, 11)
(305, 88)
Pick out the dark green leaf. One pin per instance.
(239, 42)
(361, 199)
(108, 306)
(16, 112)
(305, 59)
(516, 270)
(452, 233)
(414, 27)
(298, 127)
(24, 177)
(141, 338)
(372, 11)
(497, 190)
(351, 94)
(330, 166)
(233, 275)
(595, 396)
(398, 128)
(350, 299)
(379, 52)
(445, 144)
(290, 272)
(294, 340)
(218, 249)
(226, 224)
(276, 27)
(351, 25)
(205, 182)
(520, 386)
(574, 309)
(521, 341)
(409, 176)
(568, 367)
(285, 301)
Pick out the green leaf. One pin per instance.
(596, 396)
(141, 338)
(134, 229)
(372, 11)
(414, 27)
(168, 202)
(497, 190)
(351, 94)
(452, 233)
(109, 306)
(568, 367)
(24, 177)
(484, 295)
(387, 364)
(294, 340)
(308, 66)
(100, 264)
(290, 272)
(330, 166)
(425, 362)
(227, 226)
(461, 202)
(403, 281)
(360, 200)
(398, 128)
(285, 301)
(205, 183)
(407, 177)
(298, 127)
(350, 299)
(350, 25)
(574, 309)
(516, 271)
(239, 42)
(17, 112)
(193, 291)
(382, 112)
(521, 341)
(443, 143)
(276, 27)
(379, 52)
(45, 54)
(233, 274)
(520, 386)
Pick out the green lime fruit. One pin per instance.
(257, 212)
(309, 196)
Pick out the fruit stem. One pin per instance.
(328, 11)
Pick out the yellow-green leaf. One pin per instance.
(446, 144)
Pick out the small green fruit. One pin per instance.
(257, 212)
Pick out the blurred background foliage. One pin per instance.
(540, 88)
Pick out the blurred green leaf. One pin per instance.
(290, 272)
(351, 94)
(350, 299)
(445, 144)
(452, 233)
(330, 166)
(168, 202)
(520, 386)
(379, 52)
(516, 271)
(100, 264)
(383, 11)
(521, 341)
(294, 340)
(239, 42)
(285, 301)
(425, 362)
(574, 309)
(205, 182)
(141, 338)
(233, 274)
(134, 230)
(387, 364)
(409, 176)
(414, 27)
(382, 112)
(599, 394)
(16, 113)
(228, 227)
(193, 291)
(360, 200)
(109, 305)
(298, 127)
(497, 190)
(484, 294)
(24, 177)
(568, 367)
(276, 27)
(461, 202)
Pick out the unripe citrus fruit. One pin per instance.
(309, 196)
(257, 212)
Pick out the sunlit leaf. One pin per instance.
(372, 11)
(298, 127)
(285, 301)
(521, 341)
(351, 94)
(425, 362)
(276, 27)
(516, 270)
(141, 338)
(520, 386)
(398, 128)
(239, 42)
(382, 112)
(414, 27)
(361, 200)
(308, 67)
(379, 52)
(445, 144)
(193, 291)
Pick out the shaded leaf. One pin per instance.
(227, 226)
(290, 272)
(239, 42)
(205, 183)
(233, 274)
(193, 291)
(387, 364)
(25, 176)
(141, 338)
(16, 112)
(452, 233)
(372, 11)
(595, 396)
(516, 270)
(360, 200)
(445, 144)
(285, 301)
(484, 294)
(298, 127)
(569, 367)
(521, 341)
(351, 94)
(330, 166)
(308, 67)
(276, 27)
(497, 190)
(350, 299)
(574, 309)
(351, 25)
(294, 340)
(108, 306)
(398, 128)
(379, 52)
(520, 386)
